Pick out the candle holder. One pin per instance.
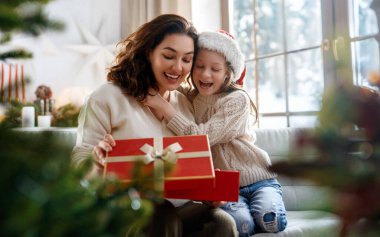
(44, 101)
(45, 106)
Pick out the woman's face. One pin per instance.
(209, 72)
(171, 61)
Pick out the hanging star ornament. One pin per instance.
(99, 56)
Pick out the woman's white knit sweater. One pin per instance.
(225, 119)
(109, 111)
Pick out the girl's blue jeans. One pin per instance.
(260, 208)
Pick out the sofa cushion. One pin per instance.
(298, 194)
(280, 142)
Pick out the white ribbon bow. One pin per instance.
(168, 154)
(158, 156)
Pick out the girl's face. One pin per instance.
(209, 72)
(171, 61)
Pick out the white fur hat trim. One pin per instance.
(227, 46)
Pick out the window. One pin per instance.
(295, 49)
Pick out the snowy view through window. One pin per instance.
(287, 44)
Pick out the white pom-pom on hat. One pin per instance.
(225, 44)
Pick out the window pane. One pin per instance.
(243, 26)
(303, 23)
(273, 122)
(305, 80)
(249, 83)
(269, 26)
(363, 19)
(272, 85)
(303, 121)
(365, 60)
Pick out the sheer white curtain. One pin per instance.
(136, 12)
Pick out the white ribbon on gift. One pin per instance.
(158, 155)
(168, 154)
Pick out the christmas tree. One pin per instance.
(23, 16)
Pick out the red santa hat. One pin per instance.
(224, 43)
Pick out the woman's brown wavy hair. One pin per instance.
(133, 71)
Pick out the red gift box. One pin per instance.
(190, 155)
(226, 188)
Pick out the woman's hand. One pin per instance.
(214, 203)
(102, 148)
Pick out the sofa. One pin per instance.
(302, 198)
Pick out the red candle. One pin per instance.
(10, 83)
(16, 82)
(2, 82)
(22, 83)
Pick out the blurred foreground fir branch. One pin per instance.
(44, 196)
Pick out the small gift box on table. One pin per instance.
(189, 157)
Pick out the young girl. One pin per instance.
(222, 110)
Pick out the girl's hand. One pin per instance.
(159, 106)
(154, 100)
(102, 148)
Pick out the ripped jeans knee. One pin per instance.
(243, 219)
(260, 208)
(271, 222)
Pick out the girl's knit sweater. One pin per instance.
(225, 118)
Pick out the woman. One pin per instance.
(158, 55)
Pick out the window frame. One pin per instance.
(335, 46)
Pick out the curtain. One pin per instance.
(136, 12)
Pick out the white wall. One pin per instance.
(72, 64)
(65, 69)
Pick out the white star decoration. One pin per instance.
(98, 56)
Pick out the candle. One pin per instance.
(42, 106)
(16, 82)
(27, 116)
(44, 121)
(10, 83)
(2, 82)
(22, 83)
